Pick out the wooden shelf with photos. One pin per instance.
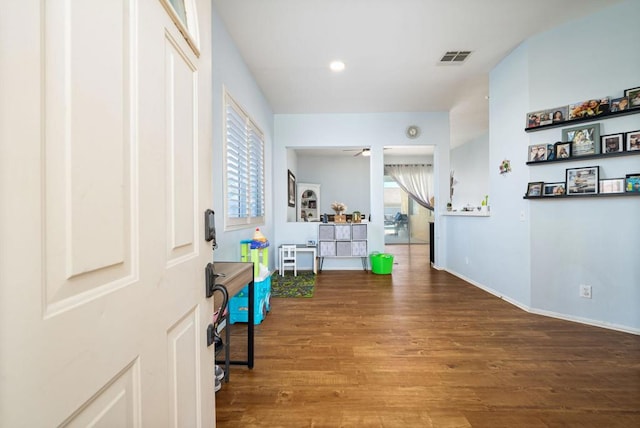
(585, 157)
(585, 182)
(583, 143)
(584, 111)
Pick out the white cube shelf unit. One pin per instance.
(342, 240)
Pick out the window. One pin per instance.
(185, 17)
(244, 168)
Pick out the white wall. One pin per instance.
(354, 130)
(230, 71)
(342, 179)
(540, 262)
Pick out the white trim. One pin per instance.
(580, 320)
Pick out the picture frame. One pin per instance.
(533, 119)
(632, 183)
(589, 108)
(585, 139)
(634, 97)
(537, 152)
(583, 180)
(612, 185)
(632, 141)
(554, 189)
(619, 104)
(559, 114)
(291, 189)
(551, 152)
(534, 189)
(546, 117)
(612, 143)
(562, 150)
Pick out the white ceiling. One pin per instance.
(391, 49)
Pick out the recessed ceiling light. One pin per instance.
(336, 66)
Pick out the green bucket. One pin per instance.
(381, 263)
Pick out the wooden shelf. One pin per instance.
(590, 195)
(609, 115)
(586, 157)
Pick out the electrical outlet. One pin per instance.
(466, 260)
(522, 217)
(585, 291)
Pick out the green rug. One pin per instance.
(293, 286)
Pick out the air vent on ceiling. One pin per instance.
(454, 57)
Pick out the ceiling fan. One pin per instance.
(366, 152)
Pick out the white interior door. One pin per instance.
(105, 175)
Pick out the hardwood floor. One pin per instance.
(422, 348)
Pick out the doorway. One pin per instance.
(405, 221)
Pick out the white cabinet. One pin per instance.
(342, 240)
(308, 202)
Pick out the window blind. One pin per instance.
(244, 168)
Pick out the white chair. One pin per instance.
(288, 259)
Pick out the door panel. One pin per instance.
(88, 145)
(103, 185)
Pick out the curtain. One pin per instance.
(415, 180)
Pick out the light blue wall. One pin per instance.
(532, 253)
(471, 165)
(354, 130)
(589, 240)
(540, 262)
(230, 71)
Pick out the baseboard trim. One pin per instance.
(550, 314)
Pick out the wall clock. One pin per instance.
(413, 131)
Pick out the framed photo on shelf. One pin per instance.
(534, 189)
(562, 150)
(533, 119)
(546, 117)
(612, 185)
(585, 139)
(559, 114)
(590, 108)
(632, 141)
(291, 189)
(612, 143)
(632, 183)
(553, 189)
(634, 97)
(583, 181)
(619, 104)
(537, 153)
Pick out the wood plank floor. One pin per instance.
(421, 348)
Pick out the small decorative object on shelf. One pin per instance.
(339, 208)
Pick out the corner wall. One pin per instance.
(538, 263)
